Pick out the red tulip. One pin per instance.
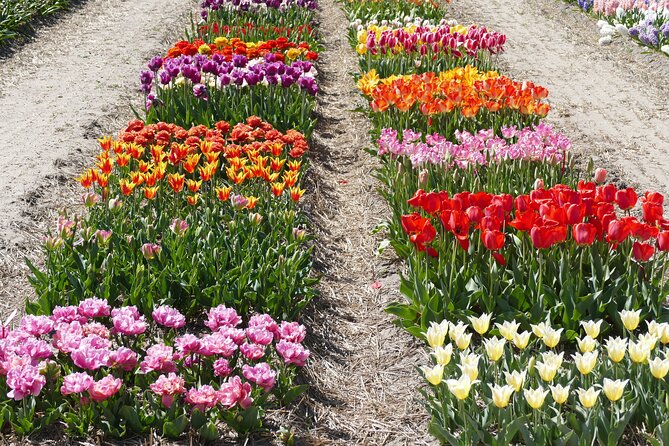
(663, 241)
(499, 258)
(547, 236)
(493, 240)
(522, 203)
(505, 201)
(600, 175)
(617, 231)
(475, 214)
(606, 193)
(575, 213)
(654, 197)
(524, 220)
(652, 212)
(584, 233)
(642, 251)
(626, 199)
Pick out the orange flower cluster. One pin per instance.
(281, 47)
(169, 157)
(459, 89)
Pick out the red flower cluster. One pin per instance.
(549, 216)
(234, 46)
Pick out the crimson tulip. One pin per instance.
(626, 199)
(663, 241)
(493, 240)
(642, 251)
(584, 233)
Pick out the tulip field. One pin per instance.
(174, 302)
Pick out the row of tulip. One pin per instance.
(169, 305)
(490, 217)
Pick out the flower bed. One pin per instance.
(92, 366)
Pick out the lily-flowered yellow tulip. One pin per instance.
(515, 379)
(470, 359)
(630, 319)
(588, 398)
(501, 395)
(546, 371)
(539, 329)
(659, 367)
(553, 358)
(614, 389)
(480, 324)
(463, 340)
(434, 375)
(587, 344)
(494, 348)
(585, 362)
(443, 354)
(663, 332)
(508, 329)
(521, 340)
(535, 397)
(457, 330)
(639, 351)
(559, 393)
(436, 334)
(471, 371)
(592, 328)
(552, 337)
(616, 347)
(460, 387)
(649, 339)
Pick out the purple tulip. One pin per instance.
(155, 63)
(200, 92)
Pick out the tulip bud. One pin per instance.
(103, 236)
(52, 243)
(150, 250)
(90, 199)
(538, 184)
(299, 234)
(422, 177)
(600, 175)
(115, 204)
(255, 218)
(178, 226)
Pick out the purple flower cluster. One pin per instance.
(538, 143)
(93, 339)
(646, 32)
(215, 72)
(250, 5)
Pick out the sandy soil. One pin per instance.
(71, 84)
(362, 369)
(612, 100)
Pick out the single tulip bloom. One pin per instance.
(463, 340)
(547, 372)
(616, 348)
(460, 387)
(592, 328)
(600, 175)
(443, 354)
(630, 319)
(559, 393)
(642, 252)
(494, 348)
(586, 344)
(659, 367)
(553, 358)
(470, 370)
(436, 334)
(614, 389)
(456, 330)
(508, 329)
(539, 329)
(588, 398)
(585, 362)
(639, 351)
(584, 233)
(521, 340)
(552, 337)
(480, 324)
(434, 375)
(515, 379)
(535, 397)
(501, 395)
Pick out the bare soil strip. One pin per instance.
(611, 101)
(362, 369)
(70, 85)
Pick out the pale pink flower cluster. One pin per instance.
(538, 143)
(608, 7)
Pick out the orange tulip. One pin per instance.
(176, 181)
(223, 193)
(150, 192)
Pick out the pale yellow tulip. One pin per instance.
(613, 389)
(521, 340)
(434, 375)
(552, 358)
(559, 393)
(639, 351)
(462, 340)
(587, 344)
(659, 367)
(443, 354)
(457, 330)
(516, 379)
(547, 372)
(616, 347)
(501, 395)
(436, 334)
(539, 329)
(585, 362)
(592, 328)
(480, 324)
(494, 348)
(535, 397)
(552, 337)
(588, 398)
(508, 329)
(630, 319)
(460, 387)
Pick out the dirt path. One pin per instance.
(73, 83)
(362, 373)
(612, 101)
